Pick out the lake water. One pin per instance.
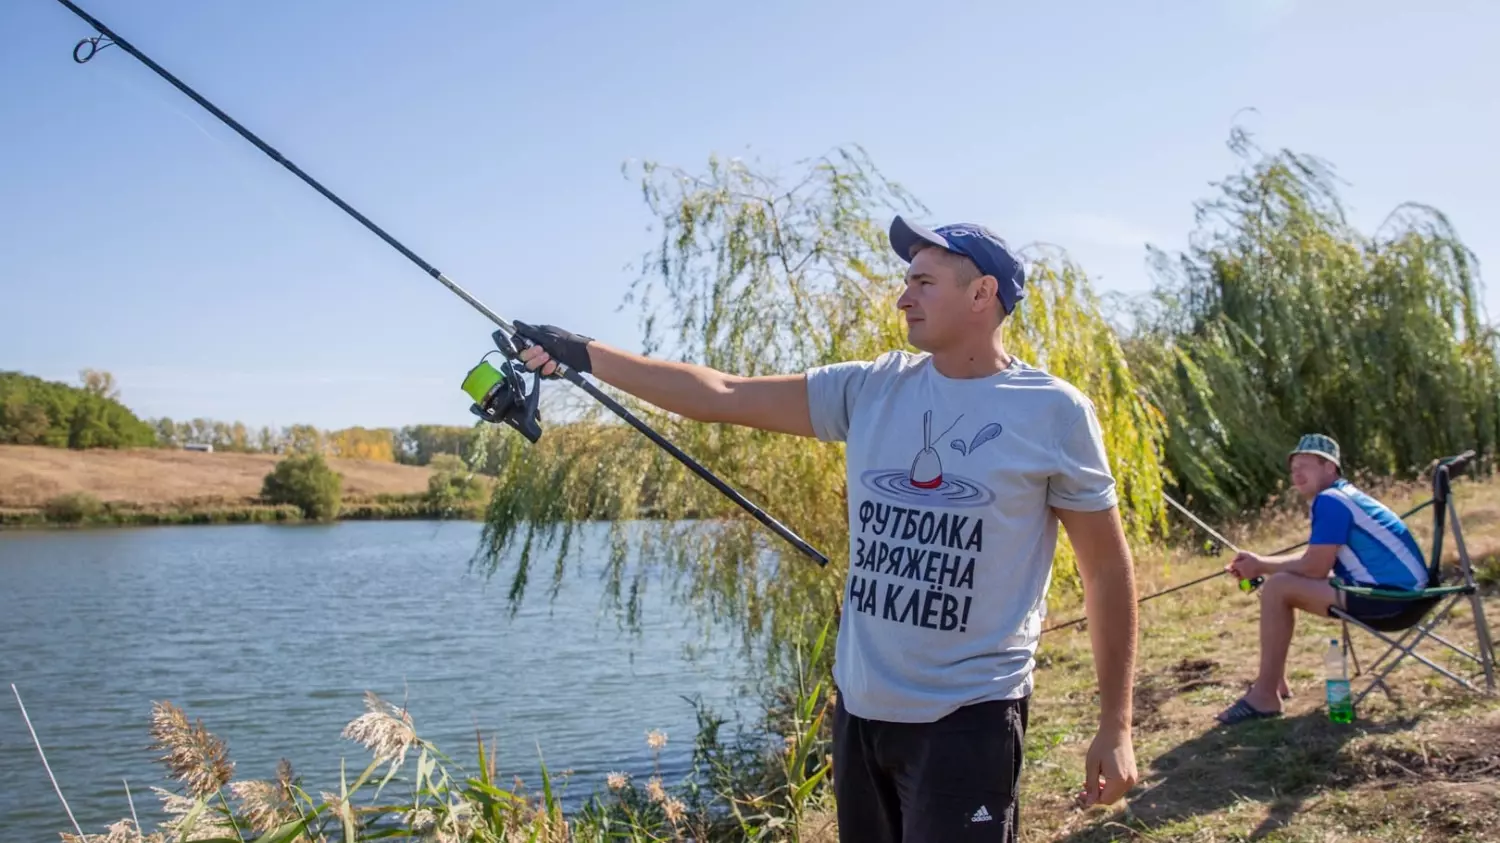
(272, 634)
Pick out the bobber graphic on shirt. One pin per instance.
(927, 469)
(925, 481)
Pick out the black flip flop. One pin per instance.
(1242, 711)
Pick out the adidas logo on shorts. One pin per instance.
(981, 816)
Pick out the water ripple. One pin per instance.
(272, 634)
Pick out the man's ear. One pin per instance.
(988, 288)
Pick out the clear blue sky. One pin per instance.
(139, 235)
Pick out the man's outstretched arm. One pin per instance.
(1108, 575)
(777, 403)
(771, 402)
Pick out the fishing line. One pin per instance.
(246, 178)
(1216, 574)
(501, 395)
(1196, 520)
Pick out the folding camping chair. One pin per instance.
(1418, 605)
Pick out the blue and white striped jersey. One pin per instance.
(1375, 547)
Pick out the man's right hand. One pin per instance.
(554, 344)
(1246, 565)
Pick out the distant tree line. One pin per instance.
(409, 445)
(34, 411)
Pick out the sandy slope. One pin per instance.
(31, 475)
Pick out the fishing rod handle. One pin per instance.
(522, 342)
(760, 515)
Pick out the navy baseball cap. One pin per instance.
(975, 242)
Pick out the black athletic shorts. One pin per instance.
(1368, 609)
(951, 781)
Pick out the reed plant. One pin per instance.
(747, 788)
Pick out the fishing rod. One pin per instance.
(501, 395)
(1249, 585)
(1246, 585)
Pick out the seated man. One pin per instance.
(1354, 537)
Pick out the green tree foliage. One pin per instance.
(756, 275)
(418, 444)
(166, 432)
(304, 439)
(223, 436)
(267, 440)
(39, 412)
(452, 483)
(349, 443)
(307, 482)
(73, 507)
(1284, 319)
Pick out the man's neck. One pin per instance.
(977, 360)
(1331, 484)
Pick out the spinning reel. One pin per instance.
(500, 395)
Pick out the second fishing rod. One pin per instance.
(500, 394)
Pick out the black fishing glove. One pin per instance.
(569, 349)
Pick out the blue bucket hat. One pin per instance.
(1318, 444)
(973, 241)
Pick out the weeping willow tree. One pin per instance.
(754, 275)
(1284, 319)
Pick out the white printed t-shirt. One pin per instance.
(951, 532)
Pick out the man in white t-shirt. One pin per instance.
(962, 462)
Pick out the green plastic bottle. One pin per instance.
(1340, 702)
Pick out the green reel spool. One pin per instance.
(481, 381)
(500, 394)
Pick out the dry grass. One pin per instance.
(1298, 778)
(1422, 764)
(30, 476)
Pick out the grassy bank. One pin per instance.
(1420, 765)
(42, 487)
